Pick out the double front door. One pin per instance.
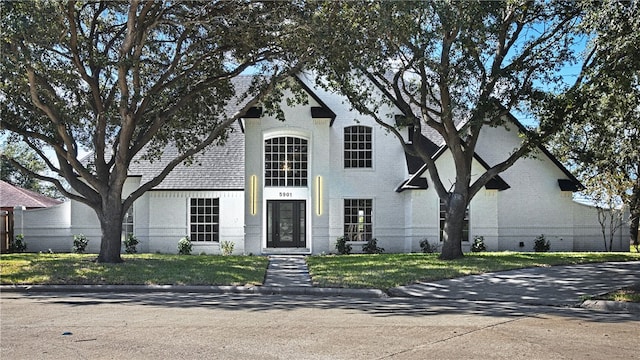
(286, 223)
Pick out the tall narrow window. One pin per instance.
(285, 161)
(127, 223)
(204, 215)
(358, 224)
(465, 224)
(357, 147)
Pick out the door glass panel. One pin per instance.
(269, 223)
(302, 220)
(285, 227)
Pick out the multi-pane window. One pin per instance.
(127, 223)
(357, 147)
(285, 161)
(465, 224)
(358, 224)
(204, 216)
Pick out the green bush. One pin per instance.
(226, 248)
(342, 247)
(427, 247)
(371, 247)
(80, 243)
(130, 244)
(478, 244)
(184, 246)
(18, 245)
(541, 245)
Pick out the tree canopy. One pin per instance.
(601, 138)
(453, 67)
(30, 160)
(124, 79)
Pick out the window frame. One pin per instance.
(357, 153)
(466, 225)
(128, 223)
(363, 228)
(286, 167)
(205, 231)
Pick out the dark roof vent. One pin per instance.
(253, 113)
(497, 183)
(322, 112)
(569, 185)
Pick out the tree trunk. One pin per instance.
(456, 207)
(111, 225)
(634, 214)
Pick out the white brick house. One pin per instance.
(326, 172)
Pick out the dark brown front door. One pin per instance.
(286, 223)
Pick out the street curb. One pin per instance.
(611, 306)
(261, 290)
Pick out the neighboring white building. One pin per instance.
(325, 172)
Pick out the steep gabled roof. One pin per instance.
(322, 111)
(11, 196)
(497, 183)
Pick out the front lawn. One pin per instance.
(138, 269)
(386, 271)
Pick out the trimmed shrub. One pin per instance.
(130, 244)
(478, 244)
(80, 243)
(342, 247)
(226, 248)
(427, 247)
(541, 245)
(184, 246)
(371, 247)
(18, 245)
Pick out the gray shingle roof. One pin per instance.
(218, 167)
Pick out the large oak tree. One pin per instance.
(601, 140)
(124, 79)
(452, 66)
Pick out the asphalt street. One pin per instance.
(170, 325)
(519, 314)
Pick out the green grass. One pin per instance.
(382, 271)
(385, 271)
(138, 269)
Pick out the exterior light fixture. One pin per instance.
(253, 195)
(318, 195)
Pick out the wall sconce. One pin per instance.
(253, 195)
(318, 195)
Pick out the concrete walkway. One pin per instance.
(287, 271)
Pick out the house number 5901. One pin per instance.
(285, 194)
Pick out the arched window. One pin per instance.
(285, 161)
(357, 147)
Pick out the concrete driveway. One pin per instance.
(554, 286)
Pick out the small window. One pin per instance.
(127, 223)
(358, 224)
(465, 224)
(204, 220)
(357, 147)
